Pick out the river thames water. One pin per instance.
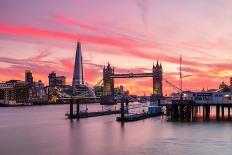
(44, 130)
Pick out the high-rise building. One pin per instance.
(28, 77)
(60, 80)
(79, 88)
(52, 79)
(78, 67)
(56, 80)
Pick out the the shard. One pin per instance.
(78, 68)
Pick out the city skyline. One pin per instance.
(45, 40)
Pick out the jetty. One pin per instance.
(92, 114)
(127, 117)
(85, 114)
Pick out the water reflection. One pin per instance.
(44, 130)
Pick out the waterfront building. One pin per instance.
(202, 97)
(21, 92)
(57, 87)
(7, 92)
(28, 77)
(38, 93)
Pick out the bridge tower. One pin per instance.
(108, 81)
(157, 80)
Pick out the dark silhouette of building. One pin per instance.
(60, 81)
(157, 79)
(52, 79)
(28, 77)
(56, 80)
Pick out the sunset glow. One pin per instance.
(130, 34)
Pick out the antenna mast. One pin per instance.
(181, 77)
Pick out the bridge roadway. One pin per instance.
(132, 75)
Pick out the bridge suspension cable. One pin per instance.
(172, 85)
(99, 83)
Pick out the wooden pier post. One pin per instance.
(196, 109)
(127, 105)
(122, 111)
(222, 111)
(175, 112)
(181, 112)
(78, 108)
(192, 112)
(71, 109)
(217, 111)
(203, 109)
(229, 111)
(207, 108)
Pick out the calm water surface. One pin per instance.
(43, 130)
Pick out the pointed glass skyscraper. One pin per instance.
(78, 68)
(79, 87)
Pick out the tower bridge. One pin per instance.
(109, 75)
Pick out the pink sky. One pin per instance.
(130, 34)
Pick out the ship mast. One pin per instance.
(181, 77)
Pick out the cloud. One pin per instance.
(27, 31)
(73, 21)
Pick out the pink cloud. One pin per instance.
(73, 21)
(27, 31)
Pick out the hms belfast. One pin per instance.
(78, 85)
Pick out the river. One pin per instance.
(44, 130)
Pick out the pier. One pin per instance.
(188, 110)
(128, 117)
(80, 114)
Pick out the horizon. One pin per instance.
(131, 35)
